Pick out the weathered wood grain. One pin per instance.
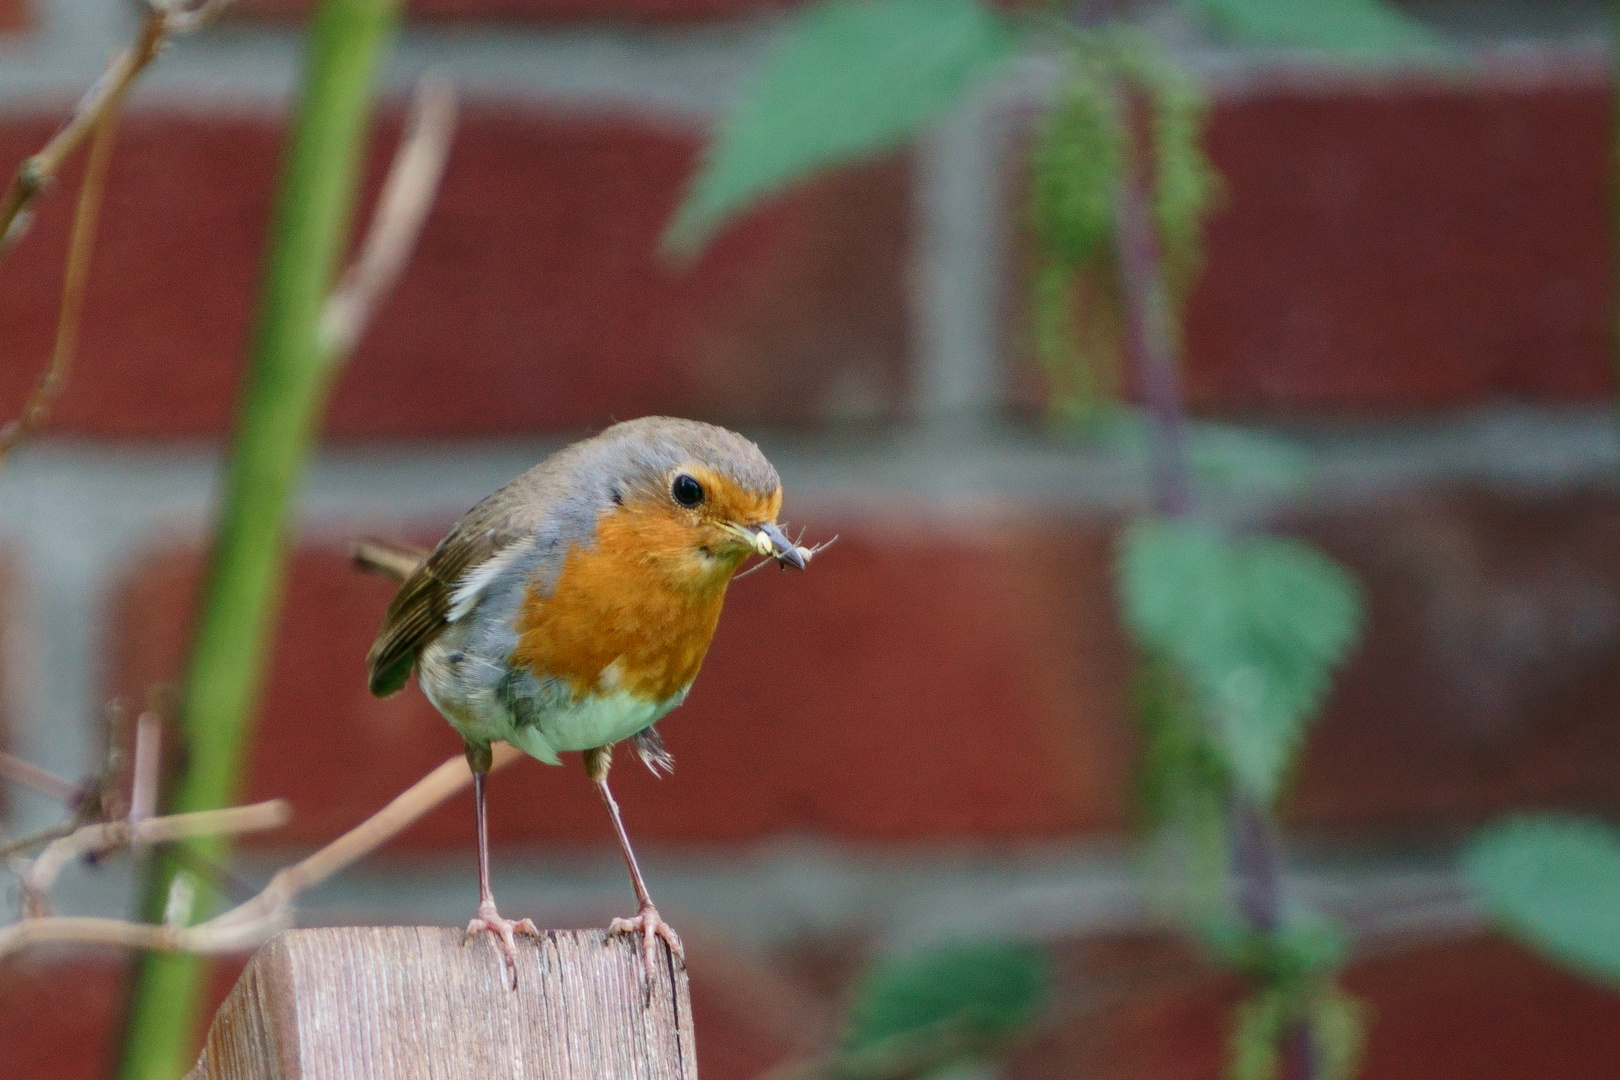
(413, 1003)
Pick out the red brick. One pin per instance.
(1404, 248)
(508, 11)
(927, 678)
(940, 680)
(535, 301)
(1408, 249)
(1475, 1009)
(1490, 673)
(16, 16)
(62, 1013)
(58, 1017)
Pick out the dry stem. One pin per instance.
(97, 112)
(96, 839)
(33, 175)
(74, 280)
(402, 210)
(250, 924)
(41, 780)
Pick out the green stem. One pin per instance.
(284, 398)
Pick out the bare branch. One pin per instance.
(74, 280)
(402, 209)
(148, 765)
(37, 839)
(95, 839)
(35, 174)
(388, 559)
(41, 780)
(250, 924)
(182, 21)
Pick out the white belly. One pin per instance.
(600, 719)
(465, 693)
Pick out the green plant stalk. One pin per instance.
(283, 400)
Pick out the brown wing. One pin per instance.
(419, 611)
(550, 495)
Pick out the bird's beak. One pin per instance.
(780, 547)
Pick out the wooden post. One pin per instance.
(411, 1003)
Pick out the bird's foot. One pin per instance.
(650, 926)
(490, 920)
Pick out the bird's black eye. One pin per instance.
(687, 491)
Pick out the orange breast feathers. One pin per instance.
(642, 599)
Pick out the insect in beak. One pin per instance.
(772, 543)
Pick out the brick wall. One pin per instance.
(925, 735)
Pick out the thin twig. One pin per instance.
(35, 174)
(147, 767)
(37, 839)
(95, 839)
(250, 924)
(41, 780)
(97, 112)
(74, 279)
(402, 210)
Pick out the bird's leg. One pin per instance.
(488, 918)
(647, 922)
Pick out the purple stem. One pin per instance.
(1254, 859)
(1151, 344)
(1151, 339)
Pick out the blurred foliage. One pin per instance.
(940, 1012)
(1255, 627)
(1181, 796)
(1305, 948)
(1294, 968)
(1225, 460)
(1075, 163)
(851, 78)
(1333, 1022)
(1350, 26)
(1239, 637)
(1554, 882)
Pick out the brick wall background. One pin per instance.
(1409, 277)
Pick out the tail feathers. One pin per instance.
(390, 680)
(397, 561)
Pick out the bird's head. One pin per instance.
(695, 499)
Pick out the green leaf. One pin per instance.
(1254, 627)
(1364, 26)
(1554, 882)
(852, 78)
(949, 1001)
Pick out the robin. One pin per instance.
(571, 610)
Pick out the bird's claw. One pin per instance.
(489, 920)
(650, 926)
